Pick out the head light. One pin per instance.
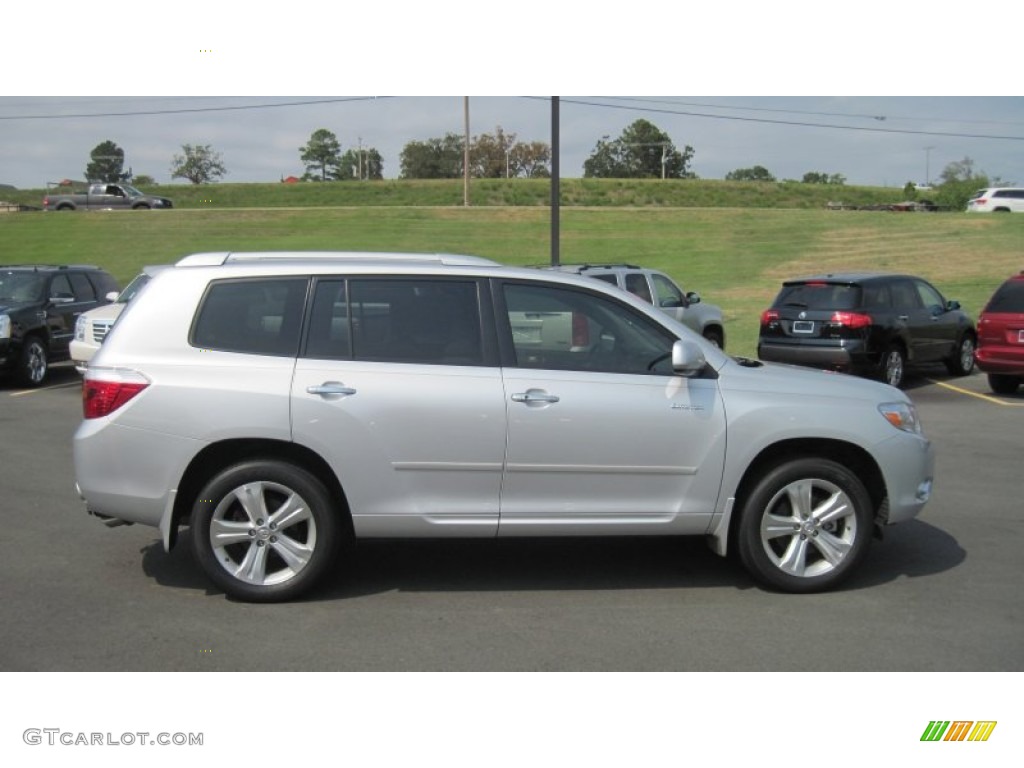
(902, 416)
(80, 324)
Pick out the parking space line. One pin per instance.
(21, 392)
(979, 395)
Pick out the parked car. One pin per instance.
(1000, 351)
(662, 291)
(93, 326)
(869, 324)
(39, 305)
(997, 200)
(282, 405)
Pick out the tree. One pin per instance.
(757, 173)
(816, 177)
(433, 159)
(531, 160)
(959, 183)
(490, 156)
(106, 163)
(198, 163)
(363, 163)
(642, 151)
(322, 153)
(143, 180)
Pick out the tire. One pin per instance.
(140, 207)
(1002, 384)
(894, 366)
(34, 362)
(805, 526)
(715, 336)
(265, 559)
(961, 363)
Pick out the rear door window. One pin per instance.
(404, 320)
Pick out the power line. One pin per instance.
(804, 112)
(187, 110)
(686, 113)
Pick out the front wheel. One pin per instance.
(805, 525)
(715, 336)
(961, 362)
(265, 530)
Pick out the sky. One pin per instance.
(880, 141)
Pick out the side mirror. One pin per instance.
(112, 296)
(687, 358)
(693, 297)
(952, 305)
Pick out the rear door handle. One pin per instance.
(329, 388)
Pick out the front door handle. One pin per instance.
(329, 388)
(534, 397)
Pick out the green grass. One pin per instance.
(735, 257)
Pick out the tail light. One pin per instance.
(110, 390)
(46, 202)
(769, 317)
(851, 319)
(580, 330)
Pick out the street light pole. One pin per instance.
(927, 168)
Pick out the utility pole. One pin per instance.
(465, 157)
(555, 183)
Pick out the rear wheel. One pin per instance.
(1002, 384)
(805, 525)
(265, 530)
(34, 362)
(894, 364)
(961, 362)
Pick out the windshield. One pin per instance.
(132, 288)
(131, 191)
(20, 287)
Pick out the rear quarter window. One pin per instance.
(259, 317)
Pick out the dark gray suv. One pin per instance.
(870, 324)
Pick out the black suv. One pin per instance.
(873, 324)
(38, 308)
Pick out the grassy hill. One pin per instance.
(672, 193)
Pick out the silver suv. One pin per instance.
(662, 291)
(283, 405)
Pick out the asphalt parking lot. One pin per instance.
(941, 593)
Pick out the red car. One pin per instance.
(1000, 351)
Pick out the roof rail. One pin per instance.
(218, 258)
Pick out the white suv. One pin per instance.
(282, 405)
(998, 200)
